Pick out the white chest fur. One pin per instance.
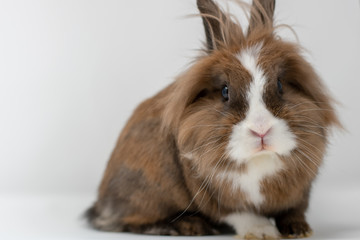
(262, 165)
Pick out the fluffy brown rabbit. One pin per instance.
(232, 143)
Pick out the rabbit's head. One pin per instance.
(251, 96)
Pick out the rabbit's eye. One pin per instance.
(225, 93)
(279, 86)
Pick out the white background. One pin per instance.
(72, 71)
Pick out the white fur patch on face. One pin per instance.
(260, 138)
(251, 226)
(245, 140)
(262, 164)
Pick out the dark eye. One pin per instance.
(279, 86)
(225, 93)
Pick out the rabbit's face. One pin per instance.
(260, 100)
(261, 131)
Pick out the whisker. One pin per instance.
(305, 166)
(209, 177)
(304, 123)
(225, 114)
(210, 125)
(310, 145)
(316, 109)
(213, 173)
(289, 108)
(304, 131)
(217, 138)
(308, 157)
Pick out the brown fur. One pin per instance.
(150, 186)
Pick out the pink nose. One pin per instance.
(259, 134)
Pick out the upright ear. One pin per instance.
(214, 21)
(262, 14)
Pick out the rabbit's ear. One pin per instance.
(262, 14)
(214, 20)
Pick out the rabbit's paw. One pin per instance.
(249, 226)
(295, 229)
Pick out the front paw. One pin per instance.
(294, 229)
(260, 233)
(249, 226)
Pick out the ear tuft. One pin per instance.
(212, 18)
(262, 15)
(222, 31)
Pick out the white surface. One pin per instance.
(334, 214)
(72, 71)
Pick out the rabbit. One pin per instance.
(232, 146)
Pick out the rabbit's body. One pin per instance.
(235, 140)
